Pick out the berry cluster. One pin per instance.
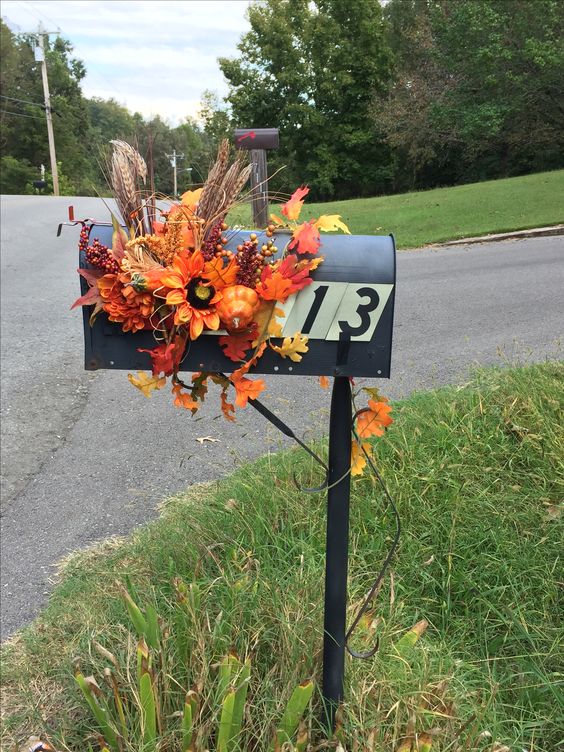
(214, 244)
(83, 240)
(98, 255)
(249, 261)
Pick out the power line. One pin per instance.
(23, 101)
(21, 114)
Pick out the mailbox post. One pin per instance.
(257, 141)
(347, 313)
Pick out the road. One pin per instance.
(85, 456)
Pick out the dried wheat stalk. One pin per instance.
(127, 169)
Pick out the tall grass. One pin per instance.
(477, 475)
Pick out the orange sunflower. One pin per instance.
(192, 295)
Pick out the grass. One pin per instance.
(434, 216)
(476, 472)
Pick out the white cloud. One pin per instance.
(153, 57)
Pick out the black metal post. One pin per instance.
(336, 558)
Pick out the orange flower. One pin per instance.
(192, 295)
(123, 304)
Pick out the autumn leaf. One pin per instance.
(200, 385)
(273, 286)
(374, 419)
(146, 383)
(221, 275)
(247, 389)
(274, 328)
(166, 358)
(358, 458)
(276, 220)
(305, 238)
(292, 208)
(374, 394)
(291, 347)
(296, 271)
(235, 346)
(246, 367)
(184, 398)
(227, 408)
(324, 382)
(331, 223)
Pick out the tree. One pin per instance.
(311, 69)
(477, 90)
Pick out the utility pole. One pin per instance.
(40, 58)
(173, 157)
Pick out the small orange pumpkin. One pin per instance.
(237, 308)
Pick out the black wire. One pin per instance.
(21, 114)
(23, 101)
(364, 608)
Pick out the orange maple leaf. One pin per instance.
(292, 208)
(305, 238)
(373, 419)
(247, 389)
(166, 358)
(220, 275)
(227, 408)
(184, 398)
(296, 271)
(273, 286)
(235, 346)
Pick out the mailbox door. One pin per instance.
(347, 313)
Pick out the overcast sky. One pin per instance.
(153, 57)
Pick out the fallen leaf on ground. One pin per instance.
(201, 439)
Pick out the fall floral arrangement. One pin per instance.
(170, 272)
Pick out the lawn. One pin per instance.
(434, 216)
(476, 473)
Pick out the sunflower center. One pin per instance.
(199, 292)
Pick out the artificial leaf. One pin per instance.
(358, 457)
(190, 198)
(184, 398)
(146, 383)
(200, 385)
(324, 382)
(119, 239)
(247, 389)
(166, 358)
(296, 271)
(235, 346)
(219, 274)
(227, 408)
(374, 419)
(331, 223)
(305, 238)
(92, 297)
(276, 220)
(291, 347)
(246, 367)
(374, 394)
(292, 208)
(262, 318)
(274, 326)
(273, 286)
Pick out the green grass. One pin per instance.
(476, 472)
(435, 216)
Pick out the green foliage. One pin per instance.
(17, 175)
(310, 68)
(477, 89)
(155, 709)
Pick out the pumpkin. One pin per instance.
(237, 307)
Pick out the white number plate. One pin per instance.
(325, 310)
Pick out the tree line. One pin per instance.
(369, 99)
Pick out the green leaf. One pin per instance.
(239, 705)
(187, 728)
(100, 713)
(292, 714)
(226, 721)
(148, 713)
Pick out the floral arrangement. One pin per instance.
(171, 272)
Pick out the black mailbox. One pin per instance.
(256, 138)
(347, 314)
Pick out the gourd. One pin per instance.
(237, 307)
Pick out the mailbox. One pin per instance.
(256, 138)
(347, 314)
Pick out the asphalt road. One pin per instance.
(85, 456)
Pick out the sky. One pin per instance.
(152, 57)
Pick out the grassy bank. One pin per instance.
(477, 476)
(434, 216)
